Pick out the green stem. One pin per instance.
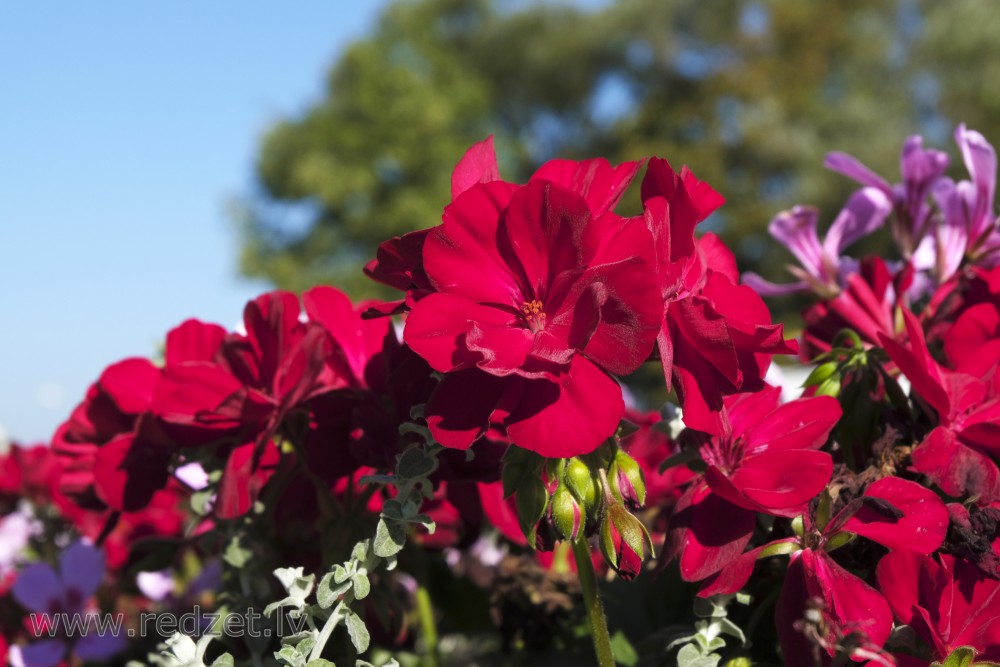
(328, 626)
(592, 600)
(425, 610)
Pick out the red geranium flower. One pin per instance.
(949, 602)
(766, 461)
(538, 292)
(894, 512)
(716, 336)
(954, 454)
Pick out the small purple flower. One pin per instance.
(968, 227)
(920, 168)
(58, 598)
(823, 269)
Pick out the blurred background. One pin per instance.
(160, 161)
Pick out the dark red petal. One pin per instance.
(129, 470)
(478, 165)
(241, 482)
(570, 417)
(460, 408)
(921, 528)
(735, 575)
(706, 532)
(850, 605)
(918, 366)
(358, 340)
(957, 469)
(690, 202)
(541, 237)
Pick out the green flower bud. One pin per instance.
(821, 373)
(623, 541)
(567, 517)
(532, 501)
(627, 482)
(583, 484)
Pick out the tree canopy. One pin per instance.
(751, 95)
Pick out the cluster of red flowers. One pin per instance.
(523, 311)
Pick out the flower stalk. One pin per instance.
(592, 600)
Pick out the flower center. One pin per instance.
(534, 313)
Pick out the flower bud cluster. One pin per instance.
(575, 498)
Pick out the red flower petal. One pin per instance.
(921, 528)
(452, 332)
(478, 165)
(130, 384)
(193, 340)
(595, 180)
(460, 408)
(570, 417)
(958, 470)
(707, 532)
(460, 256)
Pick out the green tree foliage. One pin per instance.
(751, 95)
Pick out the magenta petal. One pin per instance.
(81, 568)
(460, 408)
(921, 528)
(957, 469)
(570, 417)
(451, 332)
(595, 180)
(918, 366)
(541, 240)
(193, 340)
(131, 384)
(801, 424)
(707, 532)
(850, 606)
(460, 255)
(783, 480)
(38, 588)
(907, 580)
(850, 166)
(478, 165)
(735, 575)
(864, 212)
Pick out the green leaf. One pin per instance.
(358, 632)
(362, 587)
(690, 656)
(320, 662)
(236, 555)
(960, 657)
(389, 539)
(622, 650)
(224, 660)
(415, 463)
(327, 595)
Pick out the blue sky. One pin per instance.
(125, 128)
